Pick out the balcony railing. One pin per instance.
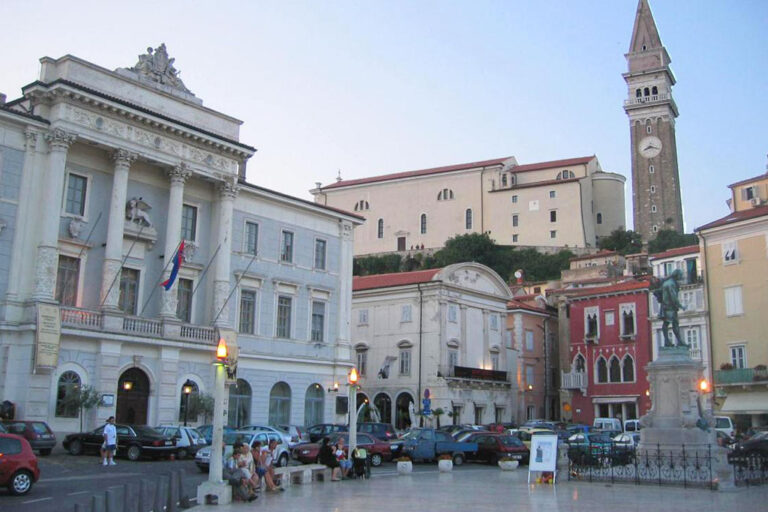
(573, 380)
(142, 327)
(647, 99)
(740, 376)
(465, 372)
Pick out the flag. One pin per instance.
(175, 270)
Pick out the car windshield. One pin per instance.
(39, 427)
(412, 434)
(510, 441)
(231, 438)
(722, 423)
(144, 430)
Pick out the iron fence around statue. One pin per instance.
(687, 468)
(749, 468)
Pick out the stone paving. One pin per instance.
(478, 488)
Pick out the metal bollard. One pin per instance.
(115, 497)
(145, 496)
(99, 503)
(82, 507)
(161, 494)
(131, 498)
(173, 491)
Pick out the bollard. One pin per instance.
(183, 494)
(99, 503)
(115, 497)
(82, 507)
(145, 496)
(161, 493)
(173, 492)
(131, 498)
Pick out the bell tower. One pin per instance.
(652, 111)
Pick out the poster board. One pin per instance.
(543, 454)
(47, 336)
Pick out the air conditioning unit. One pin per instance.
(755, 201)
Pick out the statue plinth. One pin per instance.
(677, 420)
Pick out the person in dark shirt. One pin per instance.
(328, 458)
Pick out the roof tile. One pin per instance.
(395, 279)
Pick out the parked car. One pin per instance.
(18, 464)
(38, 433)
(493, 446)
(2, 429)
(575, 428)
(133, 442)
(725, 424)
(724, 439)
(207, 432)
(757, 444)
(463, 435)
(613, 424)
(428, 444)
(632, 426)
(384, 431)
(592, 448)
(378, 449)
(249, 437)
(530, 424)
(187, 439)
(298, 434)
(265, 428)
(626, 440)
(526, 435)
(317, 432)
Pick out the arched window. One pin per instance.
(654, 91)
(445, 194)
(362, 205)
(468, 218)
(188, 402)
(602, 370)
(239, 404)
(638, 93)
(651, 169)
(629, 369)
(67, 391)
(383, 404)
(579, 365)
(380, 229)
(503, 180)
(280, 404)
(599, 218)
(615, 370)
(646, 92)
(314, 404)
(423, 223)
(653, 208)
(655, 228)
(648, 128)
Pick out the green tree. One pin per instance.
(670, 239)
(438, 412)
(84, 399)
(623, 242)
(462, 248)
(200, 404)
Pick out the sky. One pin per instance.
(364, 88)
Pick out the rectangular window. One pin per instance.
(76, 191)
(405, 313)
(67, 279)
(553, 216)
(494, 360)
(515, 221)
(362, 362)
(668, 267)
(468, 218)
(591, 323)
(733, 305)
(730, 252)
(284, 305)
(286, 247)
(188, 222)
(453, 359)
(129, 291)
(692, 338)
(494, 322)
(184, 304)
(553, 234)
(318, 321)
(320, 254)
(362, 317)
(610, 317)
(514, 238)
(529, 376)
(251, 237)
(452, 313)
(552, 194)
(739, 356)
(405, 362)
(514, 199)
(627, 314)
(247, 312)
(529, 340)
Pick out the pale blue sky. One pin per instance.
(377, 87)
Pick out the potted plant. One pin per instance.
(508, 463)
(404, 465)
(726, 366)
(437, 413)
(444, 462)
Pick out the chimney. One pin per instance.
(318, 185)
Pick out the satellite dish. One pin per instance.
(518, 274)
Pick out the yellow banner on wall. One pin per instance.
(48, 336)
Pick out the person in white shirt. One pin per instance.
(110, 442)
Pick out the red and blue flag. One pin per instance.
(175, 270)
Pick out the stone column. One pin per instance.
(346, 236)
(48, 249)
(227, 193)
(178, 176)
(110, 277)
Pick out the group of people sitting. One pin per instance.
(246, 466)
(335, 458)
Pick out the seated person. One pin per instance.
(344, 463)
(235, 476)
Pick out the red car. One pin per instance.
(18, 464)
(307, 453)
(38, 433)
(491, 447)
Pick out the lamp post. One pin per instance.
(187, 390)
(352, 410)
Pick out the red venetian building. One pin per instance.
(610, 346)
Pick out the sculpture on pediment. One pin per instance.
(158, 67)
(136, 211)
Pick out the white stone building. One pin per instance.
(102, 175)
(439, 329)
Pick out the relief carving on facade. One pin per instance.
(346, 231)
(136, 211)
(155, 65)
(75, 228)
(45, 272)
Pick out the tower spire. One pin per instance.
(645, 35)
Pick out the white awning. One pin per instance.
(754, 402)
(615, 399)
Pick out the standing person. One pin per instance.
(110, 442)
(327, 457)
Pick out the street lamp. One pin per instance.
(352, 410)
(188, 386)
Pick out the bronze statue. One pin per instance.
(669, 305)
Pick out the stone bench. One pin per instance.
(304, 474)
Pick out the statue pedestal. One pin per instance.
(672, 424)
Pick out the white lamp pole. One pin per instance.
(352, 411)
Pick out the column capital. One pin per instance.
(227, 189)
(60, 140)
(31, 136)
(180, 173)
(123, 157)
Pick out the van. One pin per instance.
(632, 425)
(724, 425)
(613, 424)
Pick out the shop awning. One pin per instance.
(755, 402)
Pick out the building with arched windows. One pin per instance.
(132, 241)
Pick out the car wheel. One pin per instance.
(458, 459)
(75, 447)
(133, 453)
(21, 483)
(182, 453)
(45, 452)
(283, 460)
(376, 460)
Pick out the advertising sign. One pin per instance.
(48, 336)
(543, 454)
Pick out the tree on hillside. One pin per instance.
(670, 239)
(472, 247)
(623, 242)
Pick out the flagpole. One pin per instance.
(154, 288)
(205, 270)
(93, 228)
(127, 255)
(237, 283)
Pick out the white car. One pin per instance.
(203, 455)
(627, 439)
(188, 440)
(263, 428)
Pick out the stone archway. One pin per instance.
(402, 415)
(132, 397)
(384, 404)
